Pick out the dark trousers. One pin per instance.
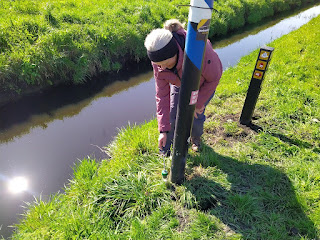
(197, 127)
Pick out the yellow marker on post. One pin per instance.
(261, 65)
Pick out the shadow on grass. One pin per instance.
(295, 142)
(260, 202)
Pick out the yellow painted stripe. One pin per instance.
(201, 23)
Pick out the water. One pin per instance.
(232, 49)
(42, 137)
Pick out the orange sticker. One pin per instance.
(258, 74)
(261, 65)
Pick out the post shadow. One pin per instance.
(260, 204)
(295, 141)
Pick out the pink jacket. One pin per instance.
(210, 76)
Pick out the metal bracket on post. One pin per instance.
(197, 34)
(254, 89)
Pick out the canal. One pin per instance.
(42, 137)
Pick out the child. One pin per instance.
(165, 49)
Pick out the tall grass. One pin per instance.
(44, 43)
(242, 185)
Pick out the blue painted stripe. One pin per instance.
(210, 3)
(194, 48)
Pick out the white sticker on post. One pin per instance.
(194, 97)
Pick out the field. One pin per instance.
(243, 184)
(46, 43)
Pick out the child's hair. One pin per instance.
(157, 39)
(173, 25)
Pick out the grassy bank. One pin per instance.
(242, 185)
(43, 43)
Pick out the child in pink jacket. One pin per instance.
(165, 49)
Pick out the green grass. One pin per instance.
(242, 185)
(45, 43)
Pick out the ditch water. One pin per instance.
(42, 137)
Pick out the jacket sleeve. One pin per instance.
(162, 100)
(211, 72)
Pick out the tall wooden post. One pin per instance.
(197, 34)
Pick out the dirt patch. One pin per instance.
(229, 130)
(228, 231)
(195, 172)
(184, 219)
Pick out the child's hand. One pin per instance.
(162, 140)
(198, 111)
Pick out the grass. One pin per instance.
(242, 185)
(45, 43)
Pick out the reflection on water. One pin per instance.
(41, 137)
(18, 185)
(18, 118)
